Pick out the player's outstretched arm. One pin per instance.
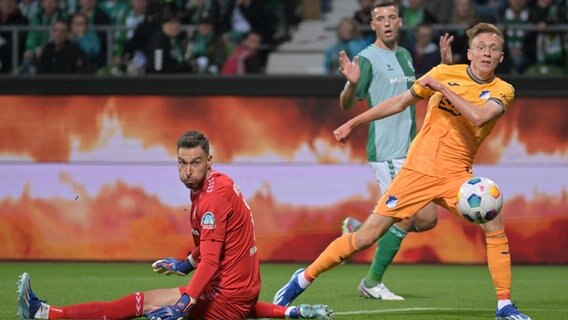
(477, 116)
(382, 110)
(171, 266)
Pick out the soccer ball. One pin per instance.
(479, 200)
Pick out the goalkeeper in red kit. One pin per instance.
(226, 283)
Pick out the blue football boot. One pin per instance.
(510, 312)
(289, 291)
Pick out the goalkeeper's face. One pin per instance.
(193, 164)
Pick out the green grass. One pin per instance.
(431, 291)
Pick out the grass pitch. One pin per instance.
(431, 291)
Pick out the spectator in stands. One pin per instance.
(464, 14)
(207, 52)
(292, 16)
(134, 55)
(363, 17)
(29, 8)
(546, 47)
(196, 10)
(87, 40)
(116, 10)
(169, 6)
(490, 10)
(516, 13)
(349, 39)
(166, 51)
(245, 59)
(441, 9)
(425, 52)
(241, 17)
(97, 17)
(61, 55)
(10, 15)
(414, 13)
(37, 39)
(463, 17)
(135, 16)
(69, 7)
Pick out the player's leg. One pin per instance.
(409, 192)
(130, 306)
(263, 310)
(336, 252)
(389, 245)
(30, 307)
(372, 285)
(499, 263)
(498, 256)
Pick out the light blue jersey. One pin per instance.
(385, 74)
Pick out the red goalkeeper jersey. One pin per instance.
(223, 228)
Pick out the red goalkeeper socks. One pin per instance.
(129, 306)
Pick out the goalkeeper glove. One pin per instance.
(178, 311)
(172, 266)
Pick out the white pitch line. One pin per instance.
(345, 313)
(402, 310)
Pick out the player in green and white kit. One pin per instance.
(386, 70)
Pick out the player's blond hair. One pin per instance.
(483, 27)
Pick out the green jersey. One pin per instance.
(385, 74)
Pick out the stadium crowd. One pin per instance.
(535, 30)
(134, 37)
(142, 36)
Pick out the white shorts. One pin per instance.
(385, 171)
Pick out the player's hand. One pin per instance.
(342, 133)
(429, 82)
(178, 311)
(172, 266)
(446, 48)
(349, 69)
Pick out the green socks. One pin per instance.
(388, 246)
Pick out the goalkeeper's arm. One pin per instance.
(172, 266)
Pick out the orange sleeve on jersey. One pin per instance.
(419, 91)
(505, 94)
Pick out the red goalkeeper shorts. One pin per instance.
(212, 305)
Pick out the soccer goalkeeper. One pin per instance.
(226, 283)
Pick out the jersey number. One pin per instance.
(447, 106)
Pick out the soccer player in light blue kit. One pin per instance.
(386, 70)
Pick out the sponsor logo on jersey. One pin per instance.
(403, 79)
(389, 68)
(208, 221)
(485, 94)
(391, 202)
(453, 84)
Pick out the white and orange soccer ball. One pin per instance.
(479, 200)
